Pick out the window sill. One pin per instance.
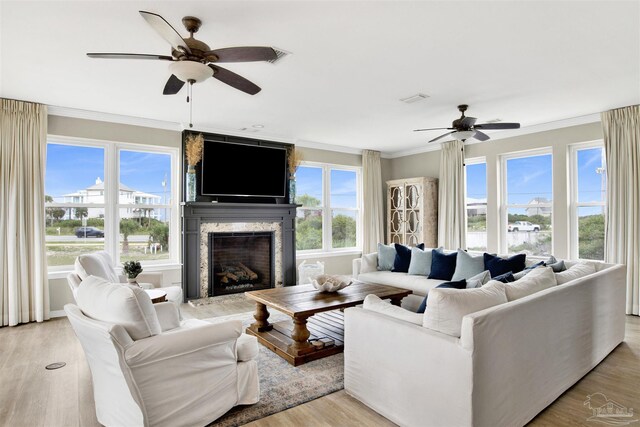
(62, 274)
(309, 255)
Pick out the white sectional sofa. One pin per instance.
(509, 363)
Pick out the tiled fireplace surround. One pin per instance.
(200, 219)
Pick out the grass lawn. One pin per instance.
(65, 253)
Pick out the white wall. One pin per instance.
(558, 140)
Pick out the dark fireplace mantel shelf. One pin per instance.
(196, 213)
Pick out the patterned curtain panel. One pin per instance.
(372, 213)
(24, 288)
(622, 228)
(451, 203)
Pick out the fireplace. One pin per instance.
(240, 262)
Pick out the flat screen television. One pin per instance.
(233, 169)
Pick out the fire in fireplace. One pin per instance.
(240, 261)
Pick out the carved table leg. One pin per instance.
(300, 336)
(261, 315)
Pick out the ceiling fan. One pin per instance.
(192, 60)
(465, 127)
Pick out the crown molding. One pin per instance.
(76, 113)
(328, 147)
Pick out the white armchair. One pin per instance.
(150, 369)
(100, 264)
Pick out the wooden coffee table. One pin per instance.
(314, 315)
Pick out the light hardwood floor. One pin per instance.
(33, 396)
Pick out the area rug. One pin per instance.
(283, 386)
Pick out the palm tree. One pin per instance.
(127, 227)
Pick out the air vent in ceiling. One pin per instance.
(281, 54)
(414, 98)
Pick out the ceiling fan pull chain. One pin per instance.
(190, 101)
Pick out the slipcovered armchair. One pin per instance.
(150, 369)
(100, 264)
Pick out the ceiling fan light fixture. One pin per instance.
(463, 134)
(190, 70)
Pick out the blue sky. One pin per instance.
(532, 177)
(343, 186)
(71, 168)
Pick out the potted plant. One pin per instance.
(132, 269)
(193, 150)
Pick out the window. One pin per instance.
(588, 198)
(476, 201)
(329, 218)
(527, 197)
(112, 197)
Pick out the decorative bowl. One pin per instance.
(329, 283)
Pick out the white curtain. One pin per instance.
(24, 289)
(451, 194)
(372, 215)
(622, 228)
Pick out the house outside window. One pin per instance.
(329, 218)
(588, 182)
(112, 197)
(476, 201)
(527, 200)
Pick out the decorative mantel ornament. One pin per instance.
(294, 158)
(193, 152)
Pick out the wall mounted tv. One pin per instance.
(233, 169)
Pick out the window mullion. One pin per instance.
(326, 212)
(111, 187)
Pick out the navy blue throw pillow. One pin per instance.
(498, 266)
(403, 257)
(505, 278)
(460, 284)
(442, 265)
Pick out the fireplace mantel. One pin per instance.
(194, 214)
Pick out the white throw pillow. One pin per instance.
(119, 303)
(577, 271)
(369, 263)
(447, 307)
(374, 303)
(536, 280)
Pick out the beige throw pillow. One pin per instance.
(447, 307)
(369, 263)
(577, 271)
(537, 280)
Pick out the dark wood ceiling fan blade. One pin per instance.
(234, 80)
(441, 136)
(173, 85)
(480, 136)
(166, 31)
(244, 54)
(420, 130)
(129, 56)
(498, 126)
(467, 122)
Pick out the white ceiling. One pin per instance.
(351, 62)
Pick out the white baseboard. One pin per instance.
(57, 313)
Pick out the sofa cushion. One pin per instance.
(460, 284)
(374, 303)
(497, 265)
(420, 261)
(467, 265)
(537, 280)
(369, 263)
(119, 303)
(386, 257)
(479, 279)
(96, 264)
(420, 285)
(447, 307)
(442, 265)
(403, 257)
(576, 271)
